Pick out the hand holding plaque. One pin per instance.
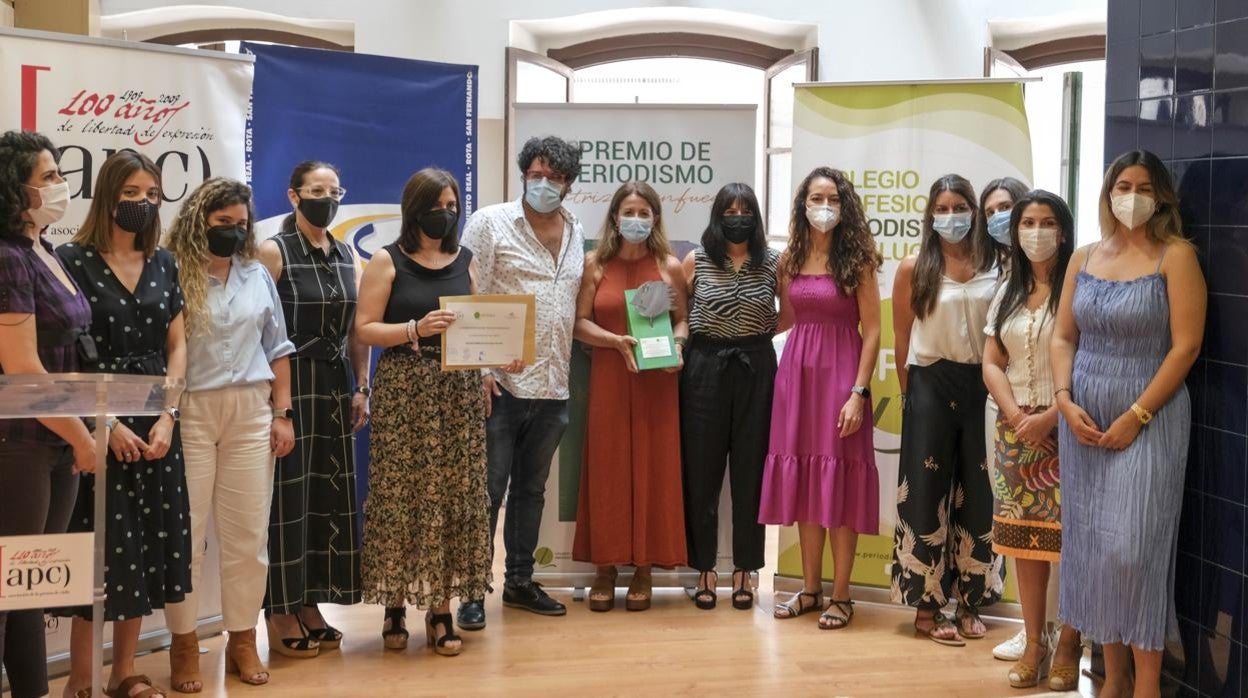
(650, 322)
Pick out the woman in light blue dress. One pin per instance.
(1128, 330)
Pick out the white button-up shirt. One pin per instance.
(511, 260)
(245, 332)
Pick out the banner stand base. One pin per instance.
(1002, 609)
(579, 582)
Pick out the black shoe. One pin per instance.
(471, 615)
(531, 597)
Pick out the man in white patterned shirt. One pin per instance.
(529, 246)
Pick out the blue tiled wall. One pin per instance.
(1177, 84)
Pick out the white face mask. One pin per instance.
(953, 227)
(54, 200)
(1133, 210)
(634, 229)
(1039, 244)
(823, 218)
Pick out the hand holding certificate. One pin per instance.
(489, 331)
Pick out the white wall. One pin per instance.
(858, 40)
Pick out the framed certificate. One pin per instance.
(489, 331)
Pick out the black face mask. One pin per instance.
(318, 212)
(135, 216)
(226, 240)
(738, 229)
(438, 224)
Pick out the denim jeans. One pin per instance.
(521, 438)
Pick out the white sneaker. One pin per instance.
(1012, 649)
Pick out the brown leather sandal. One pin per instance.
(241, 658)
(642, 587)
(184, 663)
(129, 683)
(602, 594)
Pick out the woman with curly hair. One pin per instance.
(944, 502)
(820, 470)
(236, 417)
(42, 311)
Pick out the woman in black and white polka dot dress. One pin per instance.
(137, 325)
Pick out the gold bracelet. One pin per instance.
(1059, 391)
(1141, 414)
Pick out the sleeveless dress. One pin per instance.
(313, 529)
(1120, 509)
(148, 555)
(427, 516)
(812, 475)
(631, 509)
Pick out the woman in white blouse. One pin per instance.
(237, 417)
(944, 505)
(1026, 521)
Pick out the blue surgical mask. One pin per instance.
(999, 227)
(953, 227)
(635, 229)
(542, 196)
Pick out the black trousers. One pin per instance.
(943, 543)
(725, 421)
(37, 488)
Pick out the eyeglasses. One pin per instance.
(552, 177)
(318, 191)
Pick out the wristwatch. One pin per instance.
(283, 413)
(174, 412)
(364, 390)
(861, 391)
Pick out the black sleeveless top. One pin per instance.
(416, 289)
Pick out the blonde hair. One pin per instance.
(188, 241)
(611, 241)
(1165, 225)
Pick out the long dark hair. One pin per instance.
(420, 195)
(297, 176)
(1021, 281)
(853, 249)
(713, 242)
(930, 266)
(19, 151)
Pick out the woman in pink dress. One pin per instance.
(820, 471)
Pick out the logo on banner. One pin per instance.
(135, 117)
(45, 571)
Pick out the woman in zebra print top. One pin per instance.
(726, 386)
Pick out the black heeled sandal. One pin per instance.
(329, 636)
(396, 637)
(442, 644)
(302, 647)
(705, 597)
(742, 596)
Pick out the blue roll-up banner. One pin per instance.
(378, 120)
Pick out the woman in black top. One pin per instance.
(726, 388)
(137, 325)
(427, 517)
(313, 542)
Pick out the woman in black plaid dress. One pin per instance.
(313, 530)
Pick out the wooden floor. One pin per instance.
(672, 649)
